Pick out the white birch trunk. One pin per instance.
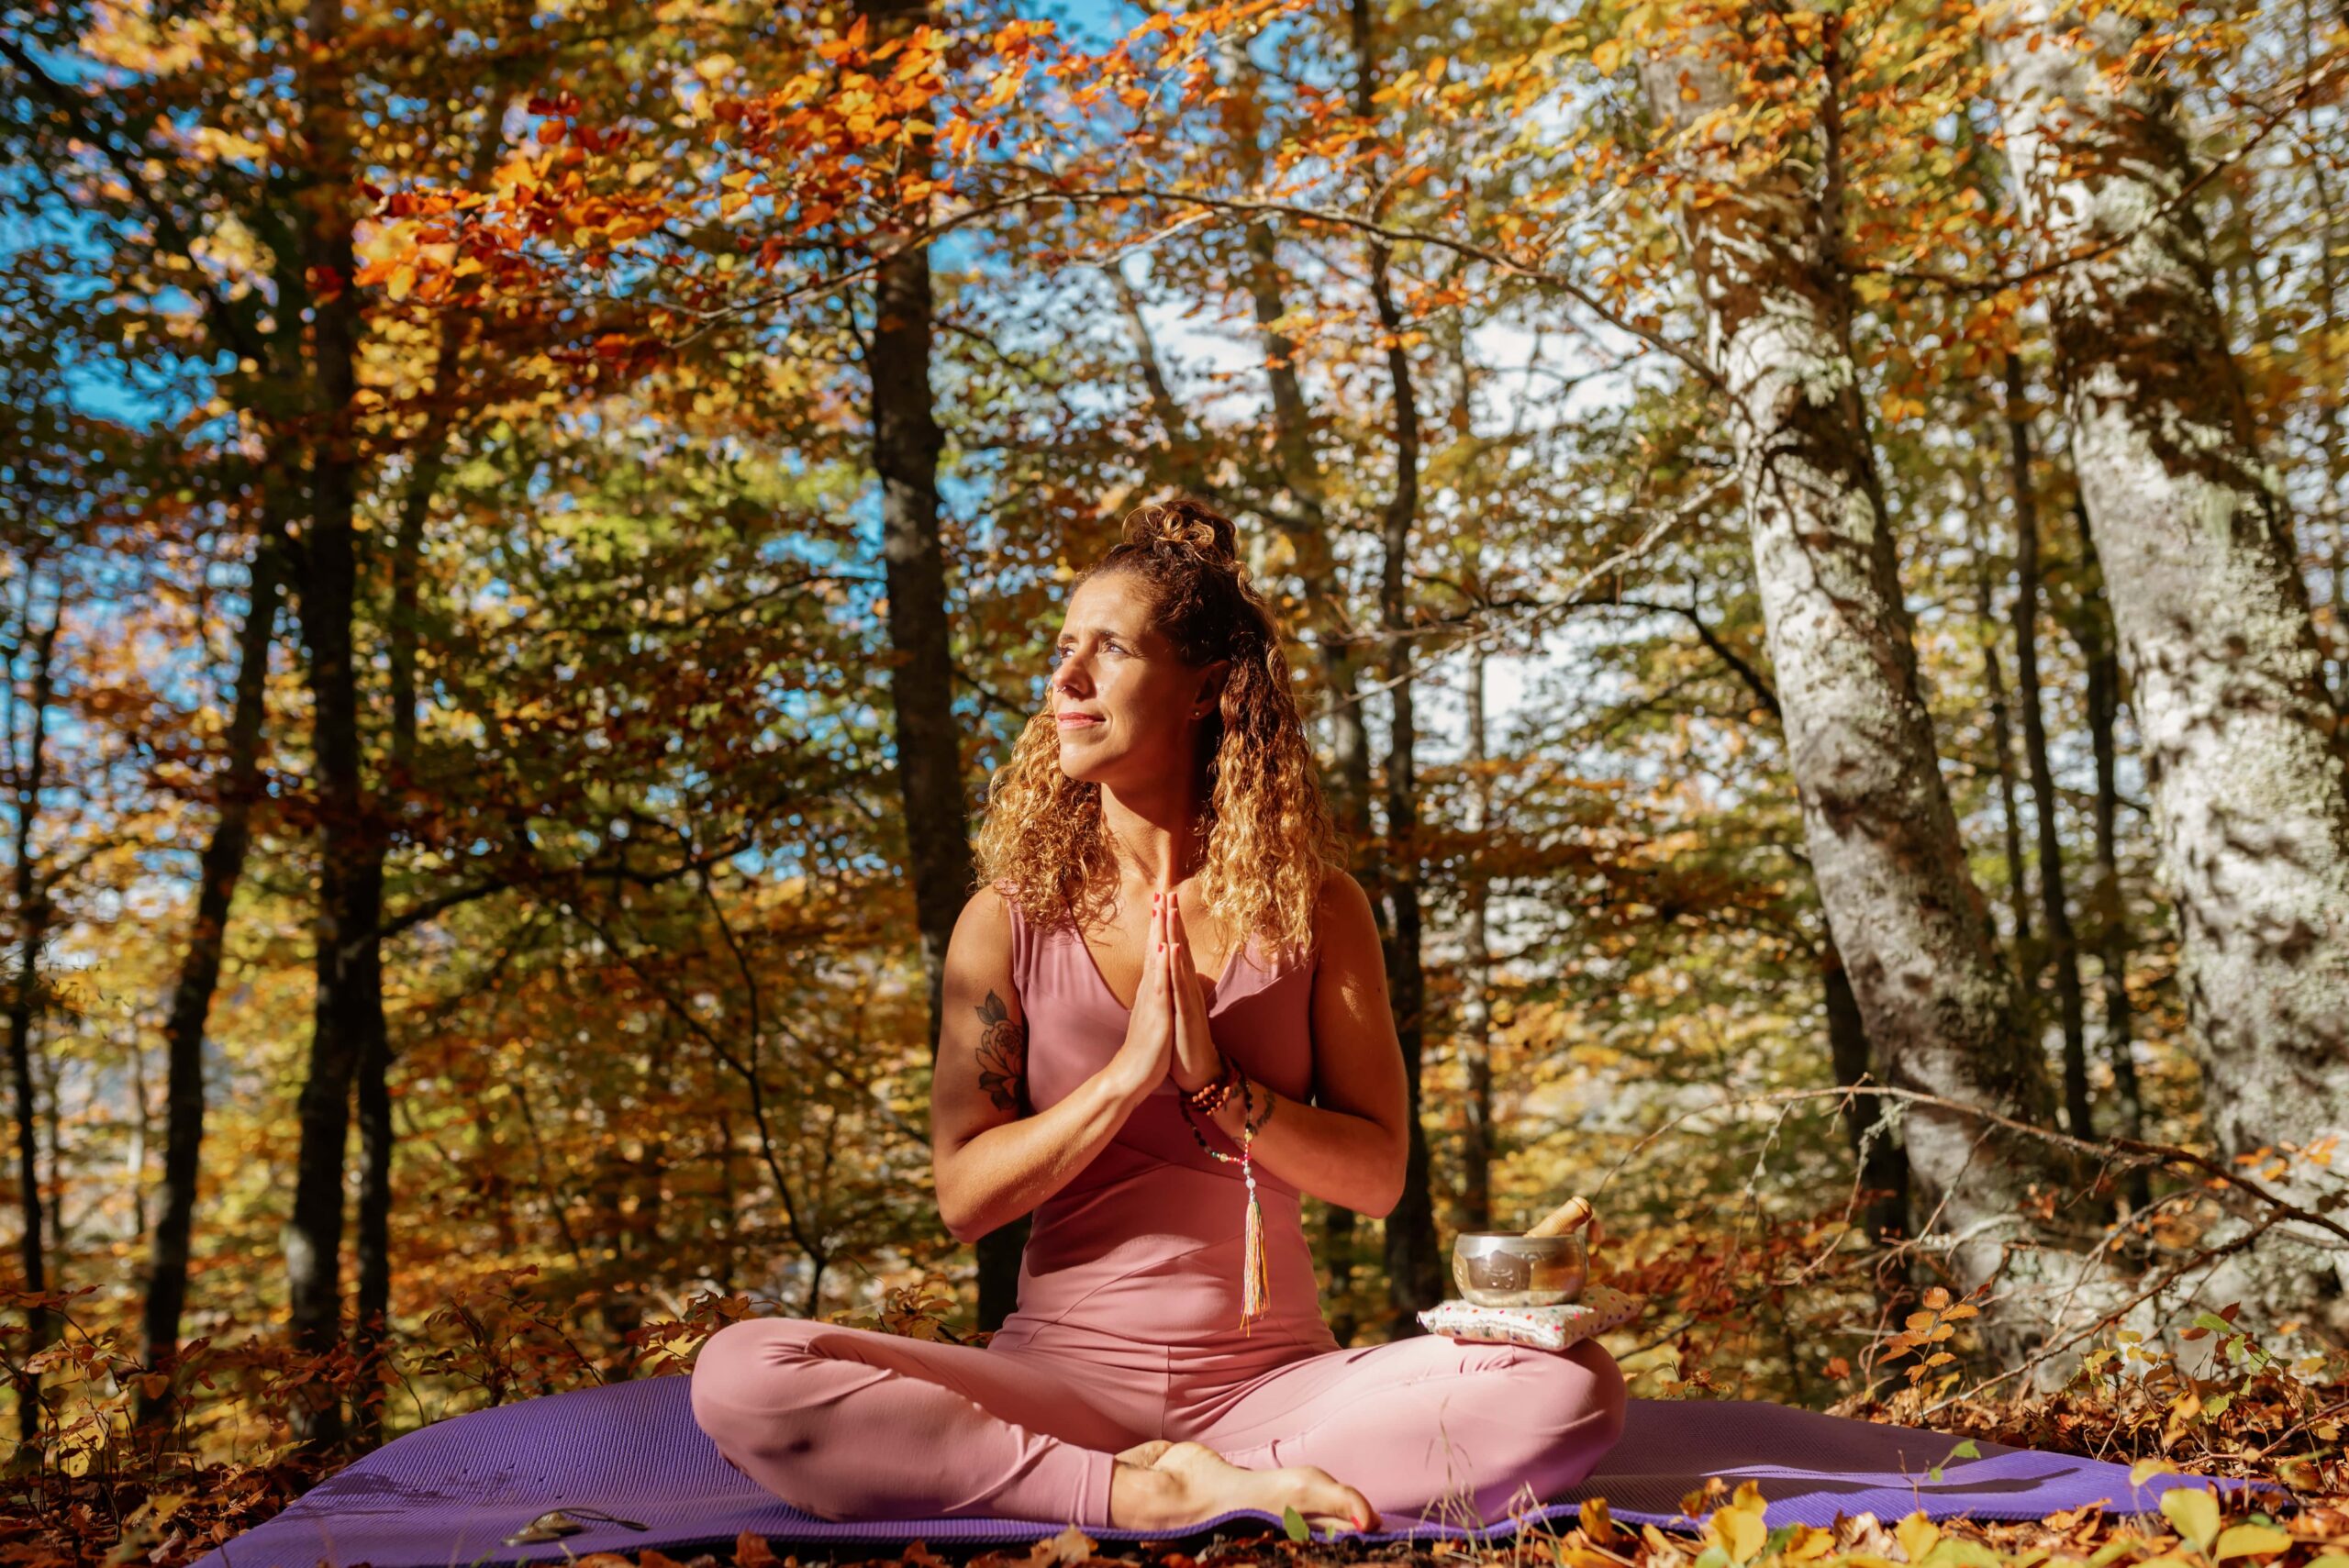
(2251, 796)
(1914, 933)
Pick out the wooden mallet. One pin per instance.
(1569, 1215)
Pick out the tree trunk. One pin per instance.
(1414, 1272)
(2251, 796)
(348, 1021)
(906, 446)
(1994, 683)
(2063, 954)
(1913, 932)
(2093, 631)
(373, 1241)
(30, 905)
(1476, 984)
(1186, 453)
(219, 870)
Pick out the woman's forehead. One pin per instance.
(1106, 604)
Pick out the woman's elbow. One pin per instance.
(951, 1209)
(1394, 1171)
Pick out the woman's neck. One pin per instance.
(1155, 841)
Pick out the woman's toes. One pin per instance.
(1322, 1495)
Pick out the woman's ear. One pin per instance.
(1211, 682)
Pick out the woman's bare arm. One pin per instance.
(991, 1159)
(1350, 1147)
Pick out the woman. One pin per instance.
(1168, 1360)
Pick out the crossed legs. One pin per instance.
(849, 1423)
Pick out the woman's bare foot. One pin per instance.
(1160, 1484)
(1146, 1455)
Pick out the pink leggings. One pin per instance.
(853, 1423)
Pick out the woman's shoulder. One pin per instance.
(992, 910)
(1340, 892)
(1342, 912)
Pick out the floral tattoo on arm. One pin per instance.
(1002, 1054)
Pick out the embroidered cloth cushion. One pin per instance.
(1602, 1308)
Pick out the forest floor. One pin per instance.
(2267, 1426)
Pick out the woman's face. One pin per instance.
(1128, 708)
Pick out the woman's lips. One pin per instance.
(1078, 721)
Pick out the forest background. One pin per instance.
(1813, 537)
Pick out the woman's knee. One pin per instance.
(1607, 1393)
(1527, 1418)
(1582, 1401)
(748, 1347)
(743, 1376)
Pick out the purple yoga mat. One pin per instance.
(445, 1497)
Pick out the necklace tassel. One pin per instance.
(1254, 1294)
(1255, 1283)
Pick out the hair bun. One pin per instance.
(1190, 523)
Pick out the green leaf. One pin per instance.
(2195, 1512)
(1950, 1552)
(2112, 1549)
(1966, 1450)
(1294, 1522)
(2249, 1540)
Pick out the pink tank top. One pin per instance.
(1144, 1243)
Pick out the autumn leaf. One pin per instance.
(1071, 1545)
(2195, 1512)
(2249, 1540)
(1738, 1527)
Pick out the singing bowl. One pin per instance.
(1505, 1268)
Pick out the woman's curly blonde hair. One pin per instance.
(1270, 839)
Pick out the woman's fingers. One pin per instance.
(1167, 972)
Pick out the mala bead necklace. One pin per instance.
(1254, 1290)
